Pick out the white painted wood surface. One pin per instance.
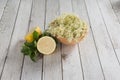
(104, 46)
(89, 56)
(2, 6)
(70, 54)
(52, 63)
(111, 20)
(97, 57)
(116, 7)
(6, 29)
(31, 70)
(13, 65)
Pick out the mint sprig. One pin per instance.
(30, 49)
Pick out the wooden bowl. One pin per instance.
(73, 42)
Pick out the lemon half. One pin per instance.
(46, 45)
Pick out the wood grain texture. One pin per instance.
(65, 6)
(71, 63)
(105, 49)
(2, 6)
(112, 24)
(6, 28)
(13, 65)
(38, 14)
(32, 70)
(70, 54)
(97, 57)
(90, 60)
(52, 63)
(115, 4)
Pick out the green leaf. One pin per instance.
(33, 57)
(35, 35)
(46, 34)
(35, 44)
(30, 49)
(26, 50)
(29, 44)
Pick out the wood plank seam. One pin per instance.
(27, 31)
(72, 5)
(45, 13)
(108, 33)
(61, 49)
(44, 29)
(33, 70)
(98, 54)
(105, 46)
(95, 47)
(10, 39)
(22, 67)
(3, 10)
(95, 42)
(45, 23)
(79, 50)
(48, 59)
(81, 62)
(66, 61)
(42, 76)
(61, 60)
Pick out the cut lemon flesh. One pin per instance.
(46, 45)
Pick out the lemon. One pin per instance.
(46, 45)
(29, 36)
(37, 29)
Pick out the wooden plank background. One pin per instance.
(97, 57)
